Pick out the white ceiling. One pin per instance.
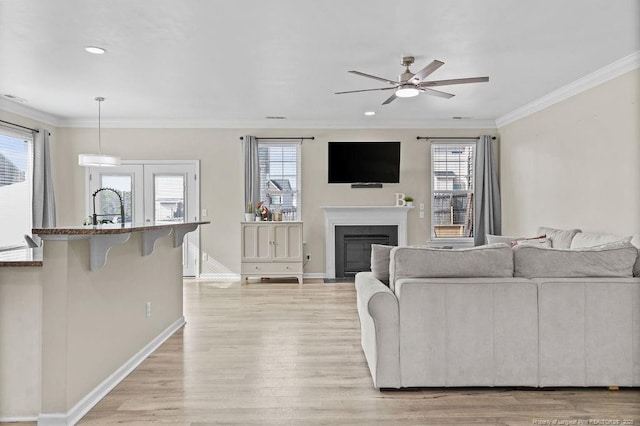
(213, 63)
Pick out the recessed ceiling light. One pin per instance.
(95, 50)
(370, 113)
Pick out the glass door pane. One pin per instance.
(109, 202)
(169, 198)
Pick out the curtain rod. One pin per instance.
(300, 138)
(22, 127)
(436, 137)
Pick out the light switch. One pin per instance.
(204, 212)
(422, 209)
(421, 214)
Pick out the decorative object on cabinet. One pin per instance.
(271, 249)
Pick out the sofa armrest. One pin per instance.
(379, 326)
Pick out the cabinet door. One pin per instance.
(287, 242)
(256, 242)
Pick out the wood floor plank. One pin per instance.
(269, 353)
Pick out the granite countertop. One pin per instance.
(110, 228)
(21, 257)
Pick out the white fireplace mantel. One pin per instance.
(360, 215)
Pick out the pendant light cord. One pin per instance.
(99, 99)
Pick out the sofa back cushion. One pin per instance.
(380, 262)
(610, 260)
(560, 238)
(635, 240)
(493, 260)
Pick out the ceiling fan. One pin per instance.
(410, 84)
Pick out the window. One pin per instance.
(279, 164)
(16, 153)
(452, 167)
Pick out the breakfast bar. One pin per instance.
(87, 307)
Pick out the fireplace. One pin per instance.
(361, 217)
(353, 246)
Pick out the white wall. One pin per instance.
(575, 163)
(220, 153)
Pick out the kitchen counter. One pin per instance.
(104, 237)
(21, 257)
(112, 228)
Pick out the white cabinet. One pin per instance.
(271, 249)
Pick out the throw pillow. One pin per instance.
(380, 262)
(588, 239)
(541, 241)
(610, 260)
(560, 238)
(495, 239)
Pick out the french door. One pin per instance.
(153, 192)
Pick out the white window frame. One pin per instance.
(28, 138)
(448, 241)
(298, 191)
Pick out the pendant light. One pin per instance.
(99, 159)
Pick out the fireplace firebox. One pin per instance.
(353, 246)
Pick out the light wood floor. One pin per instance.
(270, 353)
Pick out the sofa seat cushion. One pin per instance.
(493, 260)
(612, 260)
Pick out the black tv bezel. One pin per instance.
(367, 183)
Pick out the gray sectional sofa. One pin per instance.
(493, 315)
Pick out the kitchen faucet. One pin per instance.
(95, 216)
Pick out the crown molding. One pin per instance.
(281, 124)
(611, 71)
(28, 112)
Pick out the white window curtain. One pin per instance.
(488, 207)
(43, 202)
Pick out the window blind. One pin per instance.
(16, 157)
(452, 166)
(279, 164)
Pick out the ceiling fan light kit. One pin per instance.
(410, 84)
(100, 159)
(407, 91)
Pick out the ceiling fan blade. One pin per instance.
(390, 99)
(426, 71)
(364, 90)
(453, 81)
(386, 80)
(437, 93)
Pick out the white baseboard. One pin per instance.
(236, 277)
(220, 276)
(312, 275)
(17, 419)
(83, 406)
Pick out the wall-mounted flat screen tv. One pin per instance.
(364, 162)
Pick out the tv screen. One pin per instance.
(364, 162)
